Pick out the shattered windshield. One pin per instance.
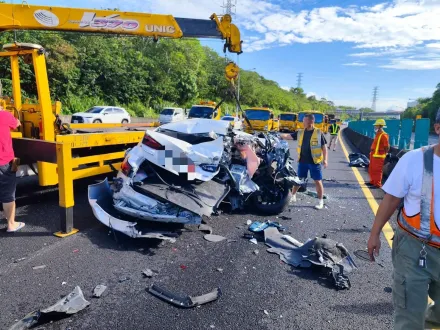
(201, 112)
(257, 114)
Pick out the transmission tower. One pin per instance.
(375, 93)
(299, 80)
(229, 6)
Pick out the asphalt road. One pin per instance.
(251, 283)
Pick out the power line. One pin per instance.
(375, 94)
(299, 79)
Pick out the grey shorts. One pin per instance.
(8, 182)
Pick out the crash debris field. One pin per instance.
(211, 273)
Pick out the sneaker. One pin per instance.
(293, 199)
(320, 206)
(334, 149)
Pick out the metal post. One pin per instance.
(65, 177)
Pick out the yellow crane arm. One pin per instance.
(32, 17)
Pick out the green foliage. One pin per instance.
(427, 107)
(143, 76)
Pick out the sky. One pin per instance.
(343, 48)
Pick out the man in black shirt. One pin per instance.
(312, 154)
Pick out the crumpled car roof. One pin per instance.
(198, 126)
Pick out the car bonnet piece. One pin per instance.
(101, 201)
(184, 301)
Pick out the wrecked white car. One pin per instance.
(189, 169)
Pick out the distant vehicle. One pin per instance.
(171, 115)
(205, 110)
(261, 119)
(319, 119)
(102, 114)
(236, 122)
(288, 122)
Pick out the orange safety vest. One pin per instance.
(376, 149)
(422, 225)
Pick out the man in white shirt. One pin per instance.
(416, 244)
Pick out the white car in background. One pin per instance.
(171, 115)
(236, 122)
(102, 114)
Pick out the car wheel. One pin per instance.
(124, 121)
(97, 121)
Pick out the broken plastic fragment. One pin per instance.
(99, 290)
(124, 279)
(71, 304)
(205, 228)
(184, 301)
(214, 238)
(253, 240)
(148, 273)
(39, 267)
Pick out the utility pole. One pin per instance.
(375, 94)
(299, 79)
(229, 6)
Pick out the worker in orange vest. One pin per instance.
(379, 150)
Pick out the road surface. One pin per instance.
(251, 283)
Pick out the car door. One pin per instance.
(108, 116)
(119, 115)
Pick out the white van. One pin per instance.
(171, 115)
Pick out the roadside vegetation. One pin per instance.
(426, 107)
(143, 76)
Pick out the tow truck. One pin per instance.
(205, 109)
(288, 122)
(67, 152)
(261, 119)
(319, 120)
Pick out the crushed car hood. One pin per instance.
(198, 126)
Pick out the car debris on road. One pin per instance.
(184, 301)
(358, 160)
(321, 252)
(99, 290)
(71, 304)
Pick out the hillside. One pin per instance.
(143, 76)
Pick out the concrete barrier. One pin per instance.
(363, 144)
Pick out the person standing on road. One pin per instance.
(312, 155)
(416, 244)
(379, 150)
(7, 172)
(334, 131)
